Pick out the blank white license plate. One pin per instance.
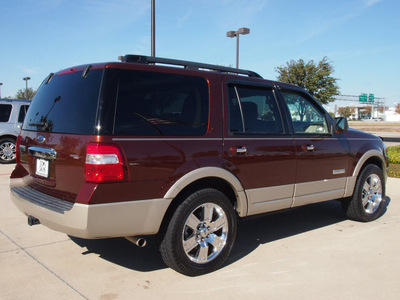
(42, 167)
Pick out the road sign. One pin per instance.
(371, 98)
(363, 98)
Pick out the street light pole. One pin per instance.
(26, 80)
(153, 28)
(236, 34)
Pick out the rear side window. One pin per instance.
(153, 104)
(66, 104)
(5, 111)
(22, 113)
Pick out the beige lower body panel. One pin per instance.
(318, 191)
(100, 220)
(269, 199)
(275, 198)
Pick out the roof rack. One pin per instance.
(140, 59)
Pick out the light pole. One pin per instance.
(232, 34)
(153, 28)
(26, 80)
(0, 88)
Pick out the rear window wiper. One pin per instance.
(45, 125)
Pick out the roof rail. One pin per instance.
(140, 59)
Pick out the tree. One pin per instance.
(397, 108)
(25, 94)
(346, 111)
(315, 78)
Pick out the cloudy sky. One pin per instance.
(361, 38)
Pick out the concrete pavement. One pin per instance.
(308, 253)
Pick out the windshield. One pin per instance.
(66, 104)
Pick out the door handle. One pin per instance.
(308, 148)
(238, 150)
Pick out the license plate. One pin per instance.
(42, 167)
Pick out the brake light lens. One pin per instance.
(104, 163)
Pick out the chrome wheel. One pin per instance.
(205, 233)
(200, 233)
(368, 201)
(7, 151)
(372, 194)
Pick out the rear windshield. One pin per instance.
(154, 104)
(66, 104)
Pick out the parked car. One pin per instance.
(146, 147)
(12, 114)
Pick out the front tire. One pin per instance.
(200, 234)
(369, 195)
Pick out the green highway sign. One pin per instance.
(363, 98)
(371, 98)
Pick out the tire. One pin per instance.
(194, 243)
(369, 195)
(7, 150)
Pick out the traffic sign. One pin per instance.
(371, 98)
(363, 97)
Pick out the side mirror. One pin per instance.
(341, 125)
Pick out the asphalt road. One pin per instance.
(312, 252)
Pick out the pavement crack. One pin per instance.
(43, 265)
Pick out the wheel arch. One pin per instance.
(8, 136)
(208, 177)
(370, 157)
(374, 157)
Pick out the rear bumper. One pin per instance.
(119, 219)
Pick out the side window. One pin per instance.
(253, 110)
(151, 103)
(306, 117)
(22, 113)
(5, 111)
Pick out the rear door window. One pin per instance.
(253, 110)
(5, 112)
(153, 104)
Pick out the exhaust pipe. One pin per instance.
(138, 241)
(33, 221)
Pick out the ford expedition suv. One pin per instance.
(154, 146)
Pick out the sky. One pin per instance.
(361, 38)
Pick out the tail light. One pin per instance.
(17, 151)
(104, 163)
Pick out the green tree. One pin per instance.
(315, 78)
(25, 94)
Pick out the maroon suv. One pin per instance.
(135, 148)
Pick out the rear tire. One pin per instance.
(7, 150)
(369, 195)
(200, 234)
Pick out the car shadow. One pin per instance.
(251, 233)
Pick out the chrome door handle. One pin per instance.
(241, 150)
(310, 148)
